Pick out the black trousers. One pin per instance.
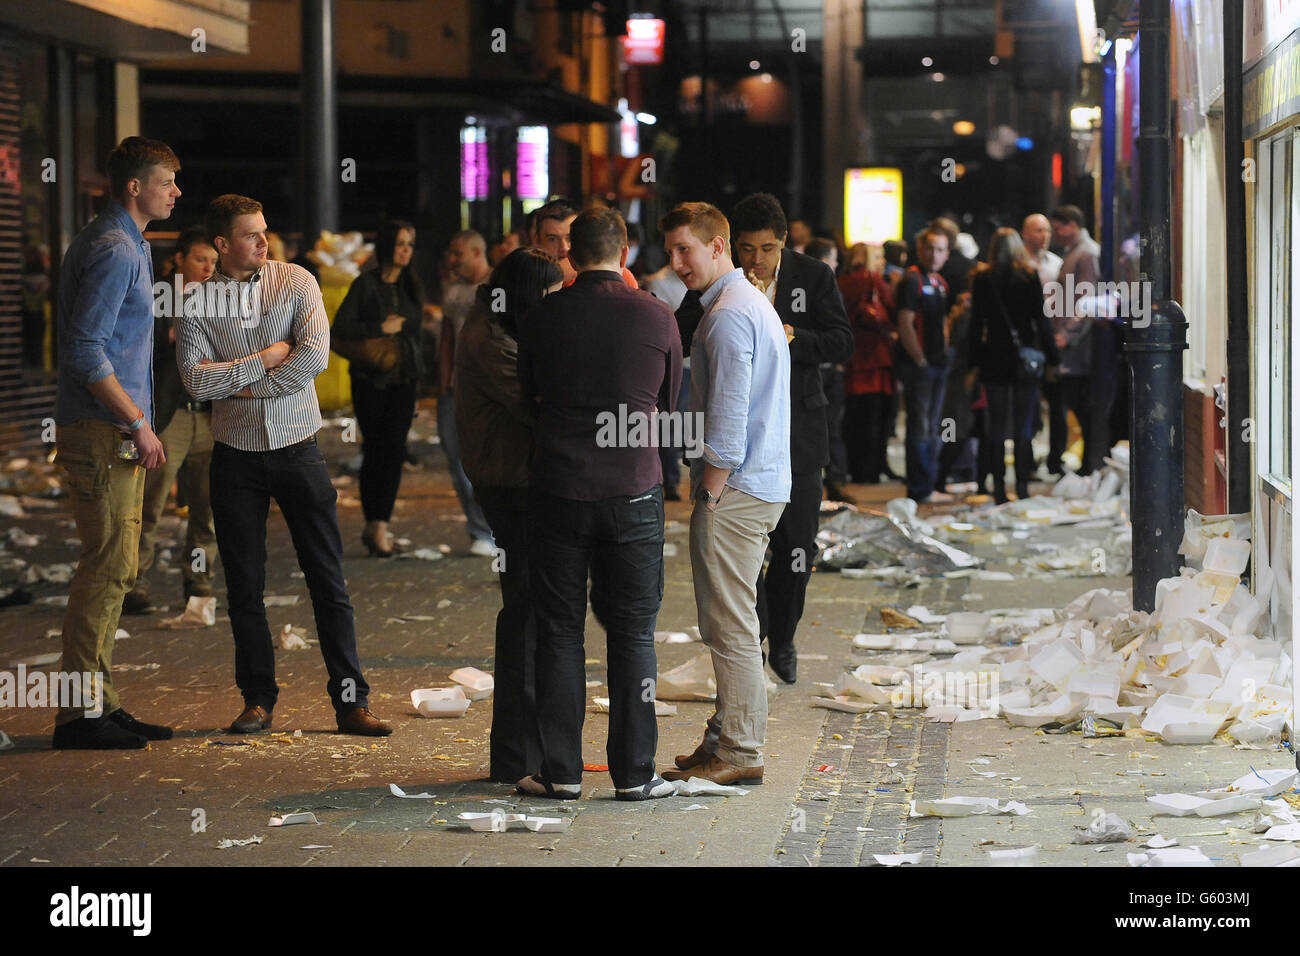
(782, 587)
(868, 423)
(384, 415)
(1058, 426)
(243, 484)
(515, 746)
(618, 543)
(833, 385)
(1076, 392)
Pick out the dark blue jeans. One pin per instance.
(243, 484)
(923, 405)
(619, 543)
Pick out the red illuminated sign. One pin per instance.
(644, 43)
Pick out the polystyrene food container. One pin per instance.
(440, 701)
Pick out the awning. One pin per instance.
(135, 29)
(489, 99)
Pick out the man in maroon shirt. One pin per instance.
(602, 362)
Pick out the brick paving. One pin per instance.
(417, 621)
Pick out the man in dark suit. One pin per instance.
(803, 291)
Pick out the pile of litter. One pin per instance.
(1193, 669)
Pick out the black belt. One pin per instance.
(198, 406)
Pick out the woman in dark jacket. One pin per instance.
(1005, 294)
(378, 330)
(495, 423)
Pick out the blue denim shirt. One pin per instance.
(105, 316)
(740, 380)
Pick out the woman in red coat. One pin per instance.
(869, 374)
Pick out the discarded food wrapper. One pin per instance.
(397, 791)
(424, 554)
(1175, 856)
(897, 859)
(1184, 804)
(1285, 855)
(690, 681)
(499, 822)
(290, 639)
(964, 807)
(478, 684)
(1014, 856)
(280, 600)
(701, 787)
(440, 701)
(292, 819)
(1104, 828)
(37, 660)
(1160, 842)
(845, 704)
(661, 709)
(199, 612)
(1257, 783)
(227, 844)
(673, 637)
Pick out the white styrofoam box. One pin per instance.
(1055, 662)
(1095, 680)
(1226, 556)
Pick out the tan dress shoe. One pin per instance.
(687, 761)
(363, 723)
(719, 771)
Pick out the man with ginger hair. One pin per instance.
(740, 383)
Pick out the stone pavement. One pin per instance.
(836, 785)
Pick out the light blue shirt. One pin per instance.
(105, 317)
(740, 380)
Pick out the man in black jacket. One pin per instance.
(805, 296)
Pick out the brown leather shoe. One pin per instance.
(252, 720)
(687, 761)
(360, 721)
(719, 771)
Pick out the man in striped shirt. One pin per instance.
(252, 341)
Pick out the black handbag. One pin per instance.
(1031, 363)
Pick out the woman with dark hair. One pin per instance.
(495, 424)
(378, 330)
(1007, 316)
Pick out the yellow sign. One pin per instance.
(873, 205)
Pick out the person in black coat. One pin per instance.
(1006, 293)
(379, 320)
(804, 293)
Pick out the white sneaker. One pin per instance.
(483, 548)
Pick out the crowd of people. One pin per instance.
(788, 352)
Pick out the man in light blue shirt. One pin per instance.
(105, 324)
(740, 385)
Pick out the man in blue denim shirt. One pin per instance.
(105, 328)
(740, 384)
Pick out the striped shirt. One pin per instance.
(226, 324)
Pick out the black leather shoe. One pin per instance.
(783, 662)
(96, 733)
(147, 731)
(254, 719)
(362, 722)
(835, 493)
